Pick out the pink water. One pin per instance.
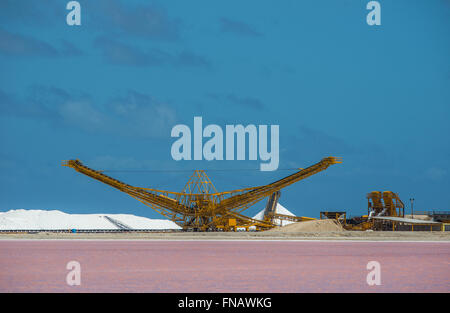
(223, 266)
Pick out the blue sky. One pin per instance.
(109, 91)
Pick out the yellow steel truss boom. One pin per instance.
(199, 205)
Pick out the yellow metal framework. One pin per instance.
(199, 206)
(386, 203)
(390, 206)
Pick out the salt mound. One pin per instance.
(280, 210)
(317, 226)
(54, 219)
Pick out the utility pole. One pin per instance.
(412, 207)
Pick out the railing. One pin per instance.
(440, 212)
(416, 212)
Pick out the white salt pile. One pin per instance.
(280, 210)
(43, 219)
